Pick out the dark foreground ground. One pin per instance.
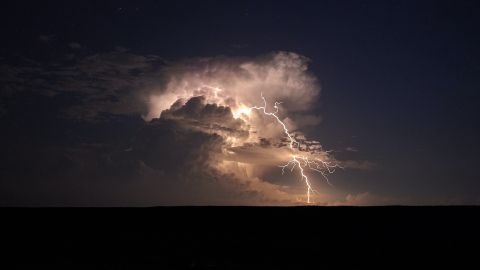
(240, 237)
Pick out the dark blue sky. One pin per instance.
(400, 79)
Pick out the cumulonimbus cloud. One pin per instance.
(237, 82)
(200, 138)
(217, 96)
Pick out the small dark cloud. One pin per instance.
(74, 45)
(121, 49)
(46, 38)
(351, 149)
(239, 45)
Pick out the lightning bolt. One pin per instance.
(297, 159)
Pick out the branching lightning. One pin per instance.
(297, 159)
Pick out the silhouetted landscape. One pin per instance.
(239, 237)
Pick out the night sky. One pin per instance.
(398, 100)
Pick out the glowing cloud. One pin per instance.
(218, 96)
(237, 82)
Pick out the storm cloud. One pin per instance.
(126, 129)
